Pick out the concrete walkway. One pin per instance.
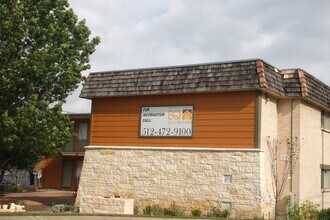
(83, 218)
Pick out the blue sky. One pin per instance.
(147, 33)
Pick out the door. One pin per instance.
(67, 174)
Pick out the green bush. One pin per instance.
(294, 212)
(153, 210)
(14, 190)
(136, 210)
(324, 214)
(156, 210)
(219, 213)
(30, 189)
(59, 208)
(309, 210)
(306, 211)
(258, 218)
(173, 210)
(196, 212)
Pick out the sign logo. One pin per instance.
(187, 114)
(174, 114)
(166, 121)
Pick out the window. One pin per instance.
(80, 137)
(227, 179)
(226, 205)
(325, 120)
(325, 177)
(69, 146)
(82, 134)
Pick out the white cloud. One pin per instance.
(149, 33)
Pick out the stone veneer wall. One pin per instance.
(189, 177)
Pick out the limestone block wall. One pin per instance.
(189, 177)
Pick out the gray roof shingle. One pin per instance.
(210, 77)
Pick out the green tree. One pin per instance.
(43, 50)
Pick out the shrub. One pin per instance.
(156, 210)
(309, 210)
(30, 189)
(173, 210)
(258, 218)
(196, 212)
(294, 212)
(136, 210)
(59, 208)
(14, 189)
(306, 211)
(219, 213)
(153, 210)
(324, 214)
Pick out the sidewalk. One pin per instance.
(83, 218)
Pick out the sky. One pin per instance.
(152, 33)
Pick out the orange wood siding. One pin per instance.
(221, 120)
(52, 173)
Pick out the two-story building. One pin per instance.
(63, 171)
(199, 135)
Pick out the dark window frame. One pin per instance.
(325, 120)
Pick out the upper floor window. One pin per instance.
(69, 146)
(80, 138)
(326, 120)
(82, 134)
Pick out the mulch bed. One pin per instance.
(39, 201)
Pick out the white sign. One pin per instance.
(166, 121)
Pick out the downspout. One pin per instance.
(258, 121)
(322, 190)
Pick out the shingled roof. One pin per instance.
(253, 74)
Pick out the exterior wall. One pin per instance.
(190, 177)
(311, 156)
(52, 173)
(326, 144)
(181, 170)
(221, 120)
(289, 109)
(307, 135)
(268, 130)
